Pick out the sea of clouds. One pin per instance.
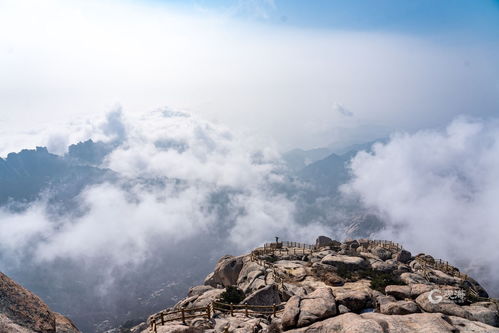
(437, 192)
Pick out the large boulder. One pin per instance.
(413, 278)
(350, 262)
(403, 256)
(268, 295)
(399, 308)
(420, 288)
(435, 302)
(399, 292)
(303, 311)
(323, 241)
(226, 272)
(251, 277)
(483, 314)
(355, 300)
(198, 290)
(381, 253)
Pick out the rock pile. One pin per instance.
(354, 286)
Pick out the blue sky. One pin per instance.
(405, 16)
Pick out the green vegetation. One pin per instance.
(232, 294)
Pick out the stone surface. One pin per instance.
(399, 308)
(399, 292)
(445, 306)
(380, 323)
(355, 300)
(381, 253)
(413, 278)
(64, 325)
(21, 311)
(226, 271)
(303, 311)
(483, 314)
(265, 296)
(420, 288)
(349, 262)
(323, 241)
(403, 256)
(198, 290)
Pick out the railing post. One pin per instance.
(231, 310)
(162, 318)
(183, 315)
(274, 310)
(246, 309)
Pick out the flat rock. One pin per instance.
(399, 308)
(413, 278)
(399, 292)
(350, 262)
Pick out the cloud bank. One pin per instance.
(180, 177)
(438, 190)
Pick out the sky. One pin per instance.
(294, 73)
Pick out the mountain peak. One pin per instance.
(357, 285)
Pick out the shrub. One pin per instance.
(232, 294)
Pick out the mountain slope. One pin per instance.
(23, 312)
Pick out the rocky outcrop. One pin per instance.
(268, 295)
(354, 286)
(303, 311)
(380, 323)
(226, 272)
(22, 311)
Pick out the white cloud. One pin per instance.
(62, 59)
(173, 165)
(437, 189)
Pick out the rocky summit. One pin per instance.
(21, 311)
(351, 286)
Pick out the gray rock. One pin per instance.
(323, 241)
(198, 290)
(303, 311)
(403, 256)
(268, 295)
(399, 292)
(227, 270)
(355, 300)
(381, 253)
(413, 278)
(343, 260)
(289, 317)
(483, 314)
(419, 288)
(444, 306)
(343, 309)
(383, 266)
(399, 308)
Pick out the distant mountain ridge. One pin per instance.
(24, 176)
